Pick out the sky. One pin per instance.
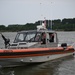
(30, 11)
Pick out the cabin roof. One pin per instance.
(50, 31)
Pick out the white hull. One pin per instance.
(36, 59)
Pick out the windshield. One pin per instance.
(19, 37)
(28, 37)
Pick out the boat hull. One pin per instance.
(11, 62)
(19, 57)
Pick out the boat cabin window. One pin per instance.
(38, 37)
(19, 37)
(28, 37)
(51, 37)
(48, 37)
(43, 37)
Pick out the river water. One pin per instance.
(62, 66)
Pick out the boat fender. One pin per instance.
(64, 45)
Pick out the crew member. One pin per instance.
(43, 39)
(51, 37)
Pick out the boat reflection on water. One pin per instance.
(49, 68)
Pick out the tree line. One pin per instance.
(59, 25)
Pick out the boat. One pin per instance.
(34, 46)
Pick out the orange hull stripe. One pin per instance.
(32, 49)
(31, 55)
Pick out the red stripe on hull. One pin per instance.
(39, 54)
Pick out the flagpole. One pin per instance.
(45, 21)
(51, 24)
(48, 23)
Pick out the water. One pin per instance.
(63, 66)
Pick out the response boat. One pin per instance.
(34, 46)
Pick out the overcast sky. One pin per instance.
(30, 11)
